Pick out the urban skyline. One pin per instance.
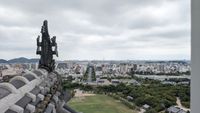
(48, 86)
(91, 30)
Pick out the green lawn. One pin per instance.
(98, 104)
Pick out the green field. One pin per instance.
(98, 104)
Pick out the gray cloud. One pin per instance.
(88, 29)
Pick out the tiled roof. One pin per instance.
(35, 91)
(4, 92)
(17, 83)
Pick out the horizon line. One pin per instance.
(106, 59)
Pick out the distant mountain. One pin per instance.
(3, 61)
(20, 60)
(34, 60)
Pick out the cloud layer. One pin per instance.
(106, 29)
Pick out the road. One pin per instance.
(89, 75)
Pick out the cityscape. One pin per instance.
(107, 56)
(105, 74)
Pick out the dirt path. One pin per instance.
(178, 102)
(80, 93)
(142, 110)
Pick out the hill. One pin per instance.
(20, 60)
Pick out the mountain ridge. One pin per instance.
(20, 60)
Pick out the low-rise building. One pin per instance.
(145, 106)
(174, 109)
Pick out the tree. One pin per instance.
(151, 111)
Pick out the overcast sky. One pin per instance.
(98, 29)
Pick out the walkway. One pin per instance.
(178, 102)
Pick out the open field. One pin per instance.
(98, 104)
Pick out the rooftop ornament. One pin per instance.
(44, 49)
